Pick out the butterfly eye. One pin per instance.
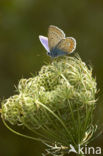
(48, 53)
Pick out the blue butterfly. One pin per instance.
(57, 44)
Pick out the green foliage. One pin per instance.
(57, 104)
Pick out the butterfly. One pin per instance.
(56, 43)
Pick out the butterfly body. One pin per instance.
(57, 44)
(55, 52)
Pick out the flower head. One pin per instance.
(59, 102)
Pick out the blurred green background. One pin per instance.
(21, 21)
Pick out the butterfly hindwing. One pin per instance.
(55, 35)
(67, 45)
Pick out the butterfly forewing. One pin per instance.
(67, 45)
(55, 35)
(44, 42)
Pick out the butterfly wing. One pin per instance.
(67, 45)
(55, 35)
(44, 42)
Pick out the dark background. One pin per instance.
(21, 21)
